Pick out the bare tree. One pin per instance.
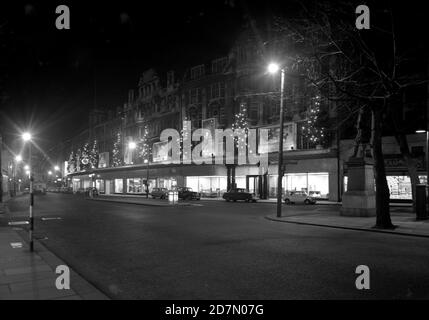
(360, 70)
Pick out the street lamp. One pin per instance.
(18, 159)
(26, 136)
(147, 177)
(50, 172)
(273, 68)
(57, 168)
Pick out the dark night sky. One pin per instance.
(49, 74)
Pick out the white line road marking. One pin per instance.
(17, 223)
(16, 245)
(51, 218)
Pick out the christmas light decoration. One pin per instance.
(93, 155)
(117, 153)
(84, 159)
(240, 123)
(144, 149)
(311, 129)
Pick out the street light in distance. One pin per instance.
(26, 136)
(273, 68)
(18, 158)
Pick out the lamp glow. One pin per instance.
(26, 136)
(18, 158)
(132, 145)
(273, 68)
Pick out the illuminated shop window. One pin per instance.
(209, 186)
(119, 186)
(315, 184)
(135, 185)
(99, 184)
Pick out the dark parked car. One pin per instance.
(161, 193)
(238, 194)
(91, 192)
(186, 193)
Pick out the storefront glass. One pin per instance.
(167, 183)
(135, 185)
(314, 183)
(209, 186)
(152, 184)
(99, 184)
(399, 186)
(119, 186)
(76, 184)
(241, 182)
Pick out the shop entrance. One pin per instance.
(253, 184)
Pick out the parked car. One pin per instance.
(66, 190)
(39, 188)
(239, 194)
(91, 192)
(161, 193)
(186, 193)
(315, 194)
(209, 194)
(80, 190)
(298, 197)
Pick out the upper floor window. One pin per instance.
(217, 90)
(195, 96)
(197, 72)
(218, 65)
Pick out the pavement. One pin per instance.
(405, 221)
(221, 250)
(26, 275)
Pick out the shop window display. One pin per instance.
(119, 186)
(315, 184)
(208, 186)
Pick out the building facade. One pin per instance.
(126, 155)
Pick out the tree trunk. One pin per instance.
(1, 171)
(382, 195)
(401, 139)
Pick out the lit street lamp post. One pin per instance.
(18, 159)
(147, 177)
(273, 69)
(27, 137)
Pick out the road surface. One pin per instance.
(219, 250)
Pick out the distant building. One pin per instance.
(212, 94)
